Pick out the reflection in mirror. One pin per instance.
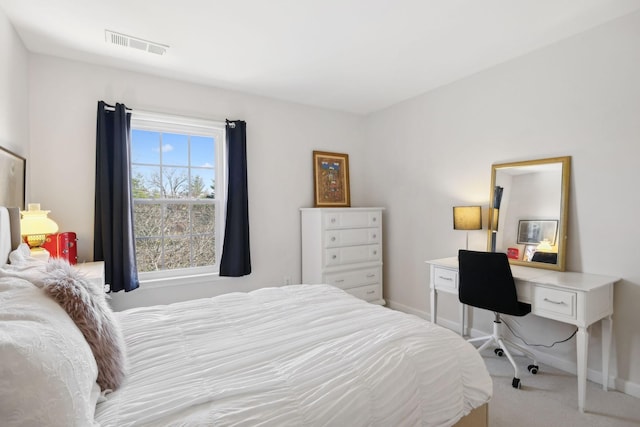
(528, 211)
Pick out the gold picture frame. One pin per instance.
(331, 179)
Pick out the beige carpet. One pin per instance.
(550, 399)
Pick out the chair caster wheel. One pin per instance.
(515, 383)
(533, 369)
(499, 352)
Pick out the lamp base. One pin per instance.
(40, 253)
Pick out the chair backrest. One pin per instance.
(486, 282)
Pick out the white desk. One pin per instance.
(575, 298)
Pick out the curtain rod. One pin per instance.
(110, 108)
(230, 123)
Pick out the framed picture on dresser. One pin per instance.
(12, 179)
(331, 180)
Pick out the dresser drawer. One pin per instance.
(353, 278)
(367, 293)
(351, 237)
(354, 219)
(554, 302)
(445, 278)
(352, 255)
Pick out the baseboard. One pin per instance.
(626, 387)
(406, 309)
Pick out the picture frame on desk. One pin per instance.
(532, 232)
(331, 180)
(529, 250)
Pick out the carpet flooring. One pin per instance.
(550, 399)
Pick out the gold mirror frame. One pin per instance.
(496, 222)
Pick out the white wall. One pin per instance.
(14, 124)
(280, 140)
(579, 97)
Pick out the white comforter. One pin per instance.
(292, 356)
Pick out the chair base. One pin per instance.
(497, 338)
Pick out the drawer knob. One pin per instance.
(334, 256)
(375, 235)
(333, 220)
(375, 252)
(339, 280)
(445, 278)
(371, 292)
(333, 239)
(371, 275)
(374, 219)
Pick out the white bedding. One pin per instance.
(292, 356)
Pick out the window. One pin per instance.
(177, 174)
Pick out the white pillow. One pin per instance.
(5, 235)
(47, 371)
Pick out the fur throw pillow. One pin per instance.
(88, 308)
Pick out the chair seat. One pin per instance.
(523, 309)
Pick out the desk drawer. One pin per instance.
(554, 302)
(444, 278)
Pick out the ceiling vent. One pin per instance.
(124, 40)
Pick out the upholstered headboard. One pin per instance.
(9, 232)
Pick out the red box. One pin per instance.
(513, 253)
(62, 245)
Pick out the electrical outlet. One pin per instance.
(287, 280)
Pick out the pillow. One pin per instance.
(47, 372)
(88, 308)
(23, 266)
(5, 235)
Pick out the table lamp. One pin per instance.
(544, 246)
(34, 226)
(467, 218)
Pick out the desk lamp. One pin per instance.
(467, 218)
(34, 226)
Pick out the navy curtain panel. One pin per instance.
(114, 241)
(236, 258)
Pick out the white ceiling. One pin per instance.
(351, 55)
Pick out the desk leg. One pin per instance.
(434, 306)
(463, 319)
(607, 326)
(582, 344)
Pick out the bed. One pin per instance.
(301, 355)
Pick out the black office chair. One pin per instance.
(486, 282)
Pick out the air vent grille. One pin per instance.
(124, 40)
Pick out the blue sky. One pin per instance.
(146, 149)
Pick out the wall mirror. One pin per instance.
(528, 211)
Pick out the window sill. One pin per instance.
(173, 281)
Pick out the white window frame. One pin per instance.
(159, 122)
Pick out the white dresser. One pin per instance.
(343, 247)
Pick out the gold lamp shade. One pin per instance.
(467, 218)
